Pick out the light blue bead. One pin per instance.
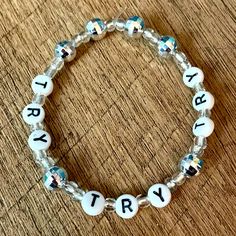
(134, 26)
(96, 28)
(190, 165)
(167, 44)
(54, 177)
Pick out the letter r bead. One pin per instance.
(126, 206)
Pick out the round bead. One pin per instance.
(190, 165)
(204, 126)
(42, 85)
(120, 24)
(203, 100)
(110, 24)
(159, 195)
(33, 114)
(193, 76)
(97, 28)
(93, 203)
(65, 50)
(134, 27)
(126, 206)
(167, 45)
(54, 177)
(39, 140)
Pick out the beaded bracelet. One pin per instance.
(158, 195)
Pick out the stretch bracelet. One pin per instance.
(159, 194)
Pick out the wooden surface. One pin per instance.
(120, 117)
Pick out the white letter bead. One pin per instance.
(204, 127)
(42, 85)
(126, 206)
(93, 203)
(203, 100)
(39, 140)
(33, 114)
(159, 195)
(193, 76)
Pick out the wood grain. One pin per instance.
(119, 116)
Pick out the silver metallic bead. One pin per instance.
(111, 26)
(120, 24)
(134, 27)
(54, 178)
(65, 50)
(167, 45)
(96, 28)
(39, 99)
(110, 204)
(143, 201)
(191, 165)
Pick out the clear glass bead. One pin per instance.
(46, 163)
(178, 178)
(77, 40)
(143, 201)
(110, 25)
(39, 99)
(85, 36)
(183, 66)
(57, 63)
(205, 113)
(170, 184)
(120, 24)
(199, 87)
(179, 57)
(36, 126)
(110, 204)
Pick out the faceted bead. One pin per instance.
(191, 165)
(134, 27)
(42, 85)
(54, 178)
(159, 195)
(126, 206)
(93, 203)
(65, 50)
(96, 28)
(39, 140)
(203, 100)
(33, 114)
(167, 45)
(204, 127)
(193, 76)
